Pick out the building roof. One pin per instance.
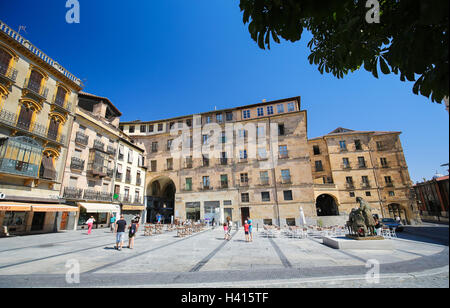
(105, 99)
(296, 98)
(345, 131)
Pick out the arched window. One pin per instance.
(47, 170)
(53, 129)
(60, 97)
(5, 60)
(35, 81)
(25, 116)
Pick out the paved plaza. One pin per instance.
(204, 259)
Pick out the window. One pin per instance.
(245, 197)
(391, 194)
(280, 108)
(227, 202)
(388, 180)
(206, 182)
(154, 146)
(269, 110)
(346, 162)
(188, 186)
(358, 146)
(169, 144)
(143, 127)
(379, 145)
(219, 118)
(287, 195)
(264, 177)
(246, 114)
(291, 107)
(60, 97)
(224, 181)
(267, 221)
(260, 131)
(205, 139)
(205, 160)
(130, 156)
(53, 129)
(319, 166)
(189, 123)
(383, 162)
(316, 150)
(171, 125)
(281, 129)
(223, 138)
(208, 119)
(352, 194)
(368, 194)
(150, 128)
(34, 83)
(242, 133)
(131, 129)
(283, 151)
(169, 164)
(229, 116)
(265, 196)
(91, 183)
(160, 127)
(223, 158)
(243, 154)
(286, 176)
(244, 178)
(153, 164)
(365, 179)
(361, 162)
(343, 145)
(25, 116)
(262, 153)
(260, 112)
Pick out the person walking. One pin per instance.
(250, 229)
(158, 219)
(120, 232)
(230, 226)
(225, 230)
(112, 222)
(133, 229)
(246, 227)
(90, 223)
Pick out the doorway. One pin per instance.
(38, 221)
(245, 213)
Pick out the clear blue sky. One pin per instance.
(161, 59)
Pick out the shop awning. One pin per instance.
(133, 207)
(100, 207)
(53, 208)
(15, 207)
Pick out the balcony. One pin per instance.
(188, 165)
(283, 155)
(20, 156)
(8, 75)
(138, 200)
(12, 121)
(81, 139)
(96, 169)
(365, 185)
(118, 176)
(126, 199)
(97, 195)
(35, 89)
(349, 186)
(62, 104)
(111, 150)
(346, 166)
(169, 167)
(223, 184)
(205, 186)
(224, 161)
(110, 173)
(244, 183)
(77, 164)
(72, 193)
(98, 145)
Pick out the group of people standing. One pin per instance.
(248, 229)
(119, 228)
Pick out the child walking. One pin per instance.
(246, 227)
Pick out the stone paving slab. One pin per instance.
(203, 258)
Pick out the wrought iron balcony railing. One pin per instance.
(98, 145)
(97, 195)
(81, 138)
(9, 73)
(35, 88)
(76, 163)
(72, 193)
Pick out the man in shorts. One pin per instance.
(120, 232)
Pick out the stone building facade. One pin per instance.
(347, 164)
(240, 178)
(37, 104)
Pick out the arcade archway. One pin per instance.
(160, 199)
(326, 206)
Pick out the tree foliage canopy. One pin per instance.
(411, 38)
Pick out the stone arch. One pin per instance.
(327, 205)
(397, 210)
(160, 199)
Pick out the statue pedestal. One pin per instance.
(349, 243)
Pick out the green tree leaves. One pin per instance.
(411, 39)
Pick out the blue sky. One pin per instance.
(161, 59)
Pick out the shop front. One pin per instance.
(23, 218)
(101, 212)
(129, 212)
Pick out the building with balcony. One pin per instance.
(37, 100)
(225, 165)
(92, 172)
(433, 199)
(367, 164)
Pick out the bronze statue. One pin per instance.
(361, 222)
